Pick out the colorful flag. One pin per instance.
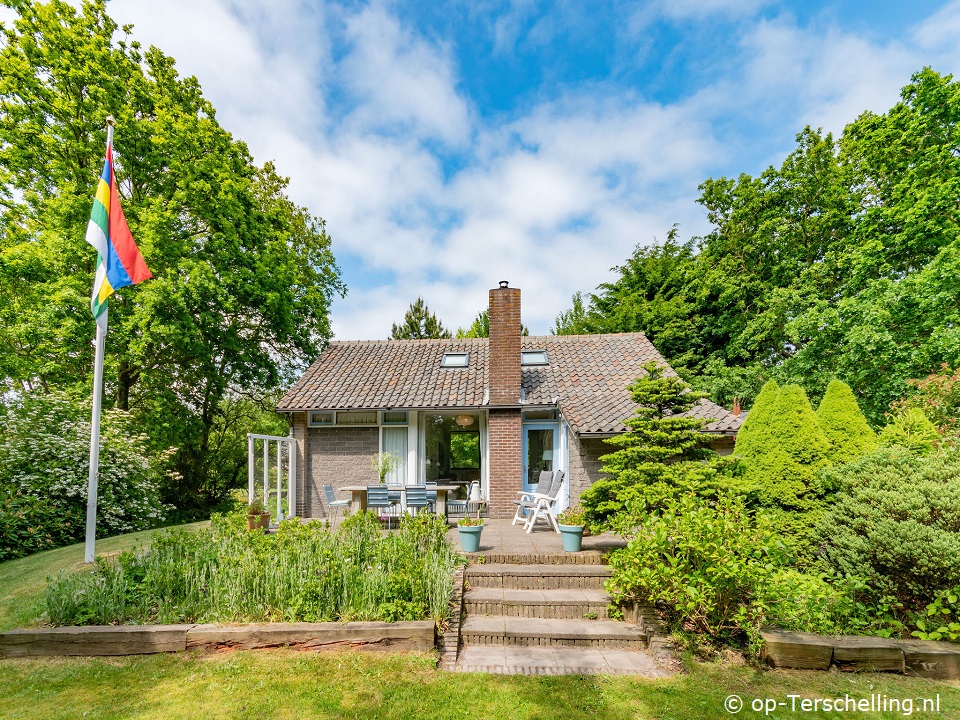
(119, 262)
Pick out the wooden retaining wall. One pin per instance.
(926, 658)
(146, 639)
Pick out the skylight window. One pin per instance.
(455, 360)
(533, 357)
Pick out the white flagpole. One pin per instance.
(89, 548)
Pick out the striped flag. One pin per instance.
(119, 262)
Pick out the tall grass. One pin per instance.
(302, 573)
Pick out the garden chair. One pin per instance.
(417, 498)
(332, 502)
(545, 506)
(378, 496)
(526, 502)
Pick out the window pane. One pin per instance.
(357, 418)
(395, 442)
(465, 450)
(455, 360)
(395, 417)
(533, 357)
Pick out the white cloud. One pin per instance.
(548, 200)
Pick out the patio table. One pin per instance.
(358, 496)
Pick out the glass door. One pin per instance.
(540, 451)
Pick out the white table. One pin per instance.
(358, 496)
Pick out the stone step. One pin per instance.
(584, 557)
(537, 577)
(538, 632)
(553, 604)
(516, 660)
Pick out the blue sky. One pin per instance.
(450, 145)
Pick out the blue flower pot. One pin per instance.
(470, 537)
(572, 537)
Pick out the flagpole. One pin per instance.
(89, 547)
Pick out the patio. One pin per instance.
(503, 542)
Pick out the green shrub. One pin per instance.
(29, 524)
(896, 523)
(706, 566)
(911, 429)
(302, 573)
(752, 434)
(45, 457)
(940, 620)
(844, 425)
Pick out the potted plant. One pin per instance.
(572, 523)
(470, 529)
(257, 516)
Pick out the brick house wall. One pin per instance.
(506, 461)
(338, 456)
(299, 427)
(503, 373)
(584, 463)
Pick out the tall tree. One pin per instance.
(661, 455)
(418, 324)
(243, 276)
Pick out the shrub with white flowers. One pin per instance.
(44, 463)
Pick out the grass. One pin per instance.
(290, 684)
(23, 581)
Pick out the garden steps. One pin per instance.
(551, 604)
(537, 619)
(542, 632)
(538, 577)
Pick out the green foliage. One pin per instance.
(480, 328)
(573, 516)
(783, 462)
(243, 277)
(895, 522)
(940, 620)
(707, 564)
(304, 572)
(44, 467)
(660, 456)
(383, 463)
(844, 425)
(753, 436)
(841, 262)
(29, 524)
(911, 429)
(419, 323)
(938, 397)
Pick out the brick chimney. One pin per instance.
(503, 372)
(504, 423)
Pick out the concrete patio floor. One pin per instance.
(499, 537)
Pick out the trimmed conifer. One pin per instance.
(757, 423)
(784, 460)
(844, 424)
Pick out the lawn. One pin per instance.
(290, 684)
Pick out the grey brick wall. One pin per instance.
(339, 456)
(584, 463)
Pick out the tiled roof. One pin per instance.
(587, 374)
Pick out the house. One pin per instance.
(496, 410)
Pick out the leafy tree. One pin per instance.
(243, 278)
(841, 262)
(418, 324)
(572, 321)
(844, 425)
(660, 456)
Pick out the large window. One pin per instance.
(451, 446)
